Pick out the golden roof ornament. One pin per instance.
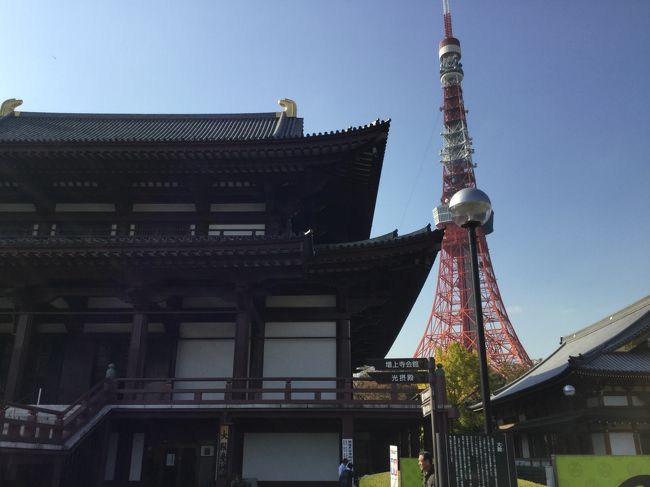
(8, 106)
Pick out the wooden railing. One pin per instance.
(24, 423)
(20, 423)
(266, 390)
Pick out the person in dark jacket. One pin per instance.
(425, 461)
(345, 480)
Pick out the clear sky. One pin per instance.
(557, 92)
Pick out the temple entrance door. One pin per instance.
(177, 466)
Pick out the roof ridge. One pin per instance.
(145, 116)
(616, 316)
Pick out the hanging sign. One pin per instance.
(222, 451)
(347, 449)
(400, 377)
(398, 363)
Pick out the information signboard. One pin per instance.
(480, 461)
(398, 363)
(427, 404)
(400, 377)
(394, 466)
(347, 449)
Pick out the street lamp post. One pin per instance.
(471, 208)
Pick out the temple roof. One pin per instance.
(382, 276)
(20, 127)
(606, 347)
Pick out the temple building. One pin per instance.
(184, 298)
(589, 397)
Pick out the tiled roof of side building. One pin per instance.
(35, 127)
(621, 362)
(592, 347)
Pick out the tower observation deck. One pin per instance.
(452, 315)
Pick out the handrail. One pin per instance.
(29, 407)
(87, 394)
(183, 391)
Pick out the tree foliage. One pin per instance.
(463, 383)
(462, 377)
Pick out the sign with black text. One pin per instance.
(480, 461)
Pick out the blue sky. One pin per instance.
(557, 94)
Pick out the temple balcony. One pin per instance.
(59, 427)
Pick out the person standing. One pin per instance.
(425, 462)
(342, 466)
(347, 476)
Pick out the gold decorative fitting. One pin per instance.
(290, 107)
(8, 106)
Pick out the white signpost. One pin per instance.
(347, 449)
(394, 466)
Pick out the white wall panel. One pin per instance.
(207, 330)
(137, 452)
(300, 358)
(84, 207)
(111, 456)
(291, 457)
(598, 443)
(622, 443)
(301, 329)
(164, 207)
(204, 358)
(304, 301)
(237, 207)
(17, 207)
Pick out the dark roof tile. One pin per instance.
(20, 127)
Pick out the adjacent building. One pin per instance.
(590, 396)
(184, 298)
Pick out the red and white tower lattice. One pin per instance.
(452, 315)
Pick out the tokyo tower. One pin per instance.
(452, 315)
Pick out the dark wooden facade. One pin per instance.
(223, 265)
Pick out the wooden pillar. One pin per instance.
(22, 339)
(57, 471)
(137, 345)
(242, 340)
(242, 334)
(257, 356)
(344, 346)
(343, 349)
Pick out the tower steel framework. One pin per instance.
(451, 318)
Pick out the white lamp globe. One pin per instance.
(568, 390)
(470, 205)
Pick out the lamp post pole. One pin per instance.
(471, 208)
(480, 329)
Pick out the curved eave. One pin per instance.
(390, 270)
(314, 144)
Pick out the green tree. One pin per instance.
(463, 383)
(462, 377)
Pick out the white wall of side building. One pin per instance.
(291, 457)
